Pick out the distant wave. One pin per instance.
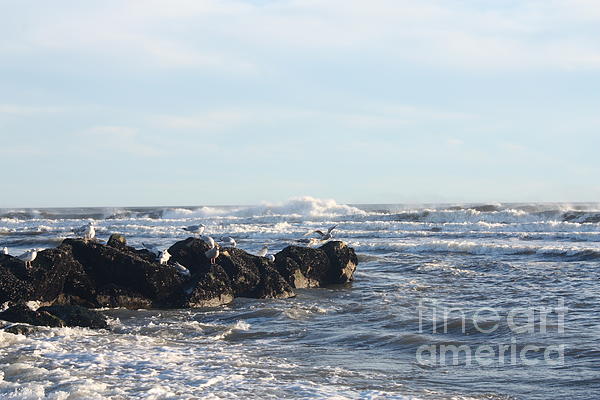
(303, 206)
(311, 207)
(574, 253)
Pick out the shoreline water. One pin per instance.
(352, 342)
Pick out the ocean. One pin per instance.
(452, 301)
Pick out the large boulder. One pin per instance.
(12, 287)
(304, 267)
(22, 313)
(113, 296)
(206, 289)
(342, 260)
(253, 276)
(249, 275)
(190, 253)
(127, 268)
(57, 276)
(76, 316)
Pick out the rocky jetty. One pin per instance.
(89, 274)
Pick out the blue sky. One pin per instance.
(190, 102)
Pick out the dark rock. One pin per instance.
(24, 314)
(77, 316)
(253, 276)
(207, 289)
(114, 296)
(116, 240)
(18, 329)
(303, 267)
(11, 287)
(190, 253)
(342, 260)
(125, 268)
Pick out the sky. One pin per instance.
(215, 102)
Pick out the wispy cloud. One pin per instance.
(232, 35)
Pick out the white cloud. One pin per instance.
(234, 36)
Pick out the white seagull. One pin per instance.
(181, 269)
(5, 251)
(28, 257)
(208, 240)
(195, 229)
(323, 236)
(228, 241)
(164, 256)
(308, 241)
(212, 253)
(89, 232)
(263, 252)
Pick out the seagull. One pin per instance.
(208, 240)
(323, 236)
(5, 251)
(181, 269)
(212, 253)
(271, 257)
(308, 241)
(164, 256)
(229, 241)
(89, 232)
(195, 229)
(28, 257)
(263, 252)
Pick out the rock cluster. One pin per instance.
(88, 274)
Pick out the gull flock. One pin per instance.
(88, 233)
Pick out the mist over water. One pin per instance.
(356, 341)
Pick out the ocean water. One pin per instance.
(522, 276)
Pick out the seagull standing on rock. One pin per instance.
(89, 232)
(5, 251)
(164, 257)
(212, 253)
(263, 252)
(195, 229)
(228, 241)
(208, 240)
(28, 257)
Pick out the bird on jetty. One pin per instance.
(212, 253)
(323, 236)
(228, 241)
(28, 257)
(164, 257)
(181, 269)
(89, 232)
(271, 257)
(263, 252)
(5, 251)
(208, 240)
(195, 229)
(308, 241)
